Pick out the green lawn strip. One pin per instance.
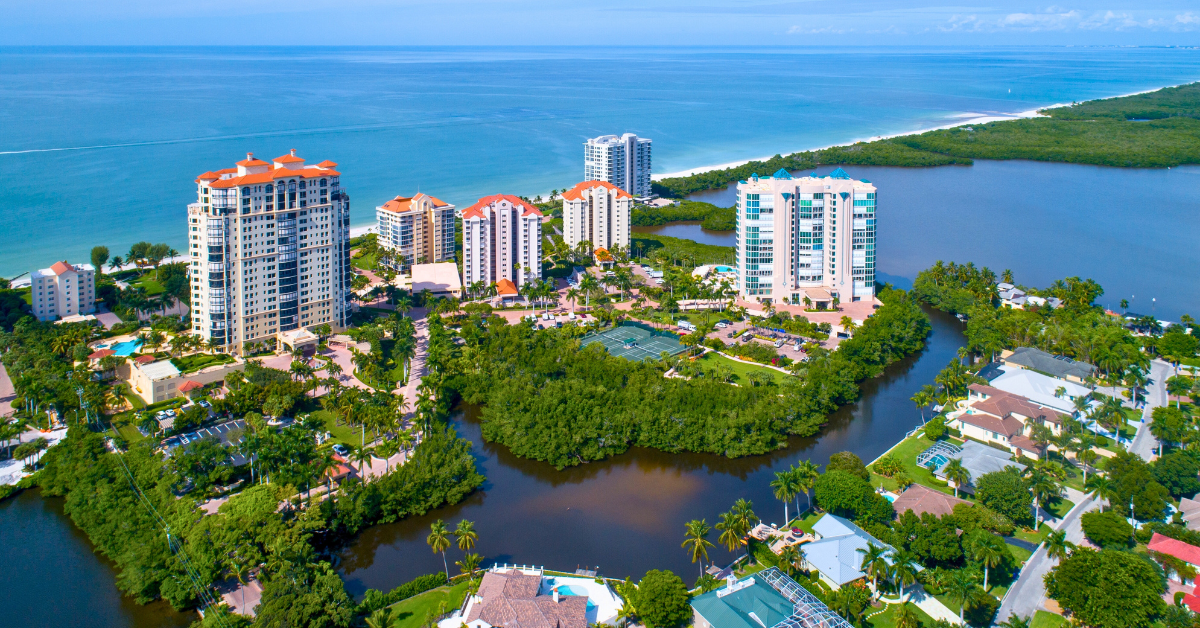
(148, 283)
(953, 605)
(1033, 537)
(907, 452)
(414, 611)
(679, 249)
(137, 402)
(1061, 507)
(887, 619)
(808, 521)
(365, 262)
(198, 361)
(345, 434)
(741, 370)
(130, 433)
(1045, 619)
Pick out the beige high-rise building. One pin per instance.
(416, 230)
(502, 239)
(597, 212)
(808, 237)
(270, 250)
(63, 290)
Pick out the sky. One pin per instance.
(599, 22)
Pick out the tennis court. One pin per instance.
(634, 342)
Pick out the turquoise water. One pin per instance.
(890, 498)
(723, 269)
(102, 145)
(127, 348)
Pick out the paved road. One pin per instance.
(1144, 443)
(1027, 594)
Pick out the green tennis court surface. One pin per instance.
(636, 343)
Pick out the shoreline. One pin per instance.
(972, 118)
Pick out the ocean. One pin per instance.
(102, 145)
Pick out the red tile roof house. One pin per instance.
(510, 599)
(1186, 552)
(991, 415)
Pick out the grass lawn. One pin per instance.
(130, 433)
(807, 522)
(1043, 619)
(1061, 507)
(364, 262)
(741, 370)
(147, 283)
(138, 402)
(344, 434)
(907, 452)
(195, 362)
(413, 612)
(887, 619)
(1033, 537)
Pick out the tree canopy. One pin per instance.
(1108, 588)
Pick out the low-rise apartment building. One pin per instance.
(416, 230)
(270, 250)
(154, 381)
(502, 239)
(598, 213)
(63, 290)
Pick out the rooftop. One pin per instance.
(576, 193)
(159, 370)
(836, 555)
(921, 500)
(253, 171)
(511, 599)
(1171, 547)
(476, 210)
(401, 204)
(436, 278)
(1039, 388)
(767, 599)
(1055, 365)
(979, 459)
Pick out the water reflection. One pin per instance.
(626, 514)
(690, 230)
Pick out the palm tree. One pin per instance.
(696, 540)
(466, 535)
(987, 549)
(904, 569)
(1057, 545)
(960, 586)
(1101, 488)
(731, 534)
(1015, 622)
(743, 509)
(1044, 489)
(361, 455)
(874, 564)
(807, 473)
(381, 618)
(905, 617)
(785, 487)
(791, 557)
(957, 473)
(923, 398)
(439, 541)
(469, 563)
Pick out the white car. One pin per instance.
(659, 281)
(722, 325)
(547, 316)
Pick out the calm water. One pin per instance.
(51, 577)
(462, 123)
(690, 231)
(626, 515)
(1045, 222)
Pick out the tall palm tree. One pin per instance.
(807, 473)
(1044, 489)
(380, 618)
(1015, 622)
(466, 535)
(469, 564)
(960, 586)
(874, 564)
(988, 549)
(785, 488)
(957, 473)
(731, 534)
(905, 617)
(696, 541)
(904, 569)
(439, 541)
(1057, 545)
(1101, 488)
(791, 558)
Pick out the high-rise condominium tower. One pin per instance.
(622, 161)
(811, 237)
(270, 250)
(502, 239)
(596, 212)
(416, 230)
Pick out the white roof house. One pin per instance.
(1039, 388)
(835, 555)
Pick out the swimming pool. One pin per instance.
(723, 269)
(127, 348)
(891, 498)
(566, 589)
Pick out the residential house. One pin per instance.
(154, 381)
(1185, 552)
(1048, 363)
(991, 415)
(768, 598)
(920, 500)
(1189, 509)
(978, 459)
(524, 597)
(835, 552)
(1016, 298)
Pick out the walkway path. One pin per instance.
(417, 365)
(1028, 593)
(7, 393)
(933, 606)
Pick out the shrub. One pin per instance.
(1106, 529)
(889, 465)
(978, 515)
(850, 463)
(1005, 493)
(935, 429)
(846, 495)
(662, 599)
(376, 599)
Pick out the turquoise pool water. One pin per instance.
(890, 498)
(566, 589)
(724, 269)
(127, 348)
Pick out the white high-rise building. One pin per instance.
(597, 212)
(502, 239)
(270, 250)
(417, 230)
(809, 237)
(622, 161)
(63, 290)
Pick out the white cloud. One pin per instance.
(1057, 18)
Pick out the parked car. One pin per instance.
(659, 281)
(558, 325)
(547, 316)
(779, 343)
(723, 322)
(341, 449)
(722, 325)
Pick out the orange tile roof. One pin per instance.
(476, 210)
(144, 359)
(251, 161)
(271, 175)
(61, 267)
(401, 204)
(208, 176)
(189, 385)
(289, 158)
(1171, 547)
(327, 164)
(103, 353)
(576, 193)
(922, 500)
(506, 287)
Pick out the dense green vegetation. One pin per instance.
(1153, 130)
(1109, 588)
(546, 398)
(678, 250)
(708, 215)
